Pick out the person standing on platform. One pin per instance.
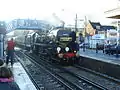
(80, 38)
(108, 45)
(96, 47)
(10, 51)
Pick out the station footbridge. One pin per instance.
(27, 24)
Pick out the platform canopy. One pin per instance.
(113, 13)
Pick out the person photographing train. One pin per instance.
(10, 51)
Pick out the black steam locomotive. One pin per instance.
(59, 45)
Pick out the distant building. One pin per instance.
(93, 28)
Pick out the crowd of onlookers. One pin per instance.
(109, 48)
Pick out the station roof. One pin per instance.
(106, 27)
(95, 24)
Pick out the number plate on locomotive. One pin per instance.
(65, 38)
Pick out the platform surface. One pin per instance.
(21, 77)
(100, 56)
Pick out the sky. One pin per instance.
(62, 9)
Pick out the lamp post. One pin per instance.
(76, 22)
(118, 32)
(85, 33)
(85, 25)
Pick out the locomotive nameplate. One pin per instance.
(65, 38)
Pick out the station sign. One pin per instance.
(98, 36)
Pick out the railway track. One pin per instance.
(99, 75)
(80, 82)
(42, 78)
(96, 78)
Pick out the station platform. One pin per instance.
(100, 62)
(21, 77)
(100, 56)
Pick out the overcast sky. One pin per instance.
(64, 9)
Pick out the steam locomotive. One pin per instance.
(58, 45)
